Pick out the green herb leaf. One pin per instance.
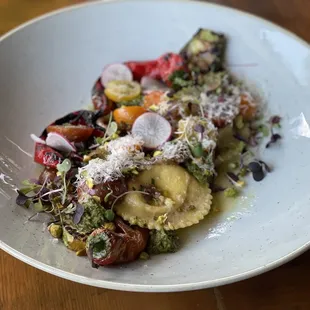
(65, 166)
(264, 130)
(106, 198)
(197, 150)
(109, 215)
(38, 206)
(112, 129)
(99, 140)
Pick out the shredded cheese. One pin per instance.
(124, 154)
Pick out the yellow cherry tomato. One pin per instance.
(118, 91)
(128, 115)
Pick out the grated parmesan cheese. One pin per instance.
(123, 154)
(177, 151)
(224, 107)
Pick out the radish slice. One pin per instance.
(150, 84)
(59, 142)
(37, 139)
(153, 129)
(116, 72)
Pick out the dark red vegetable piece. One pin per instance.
(107, 247)
(46, 156)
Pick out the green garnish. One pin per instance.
(264, 130)
(144, 256)
(63, 168)
(109, 215)
(197, 150)
(231, 192)
(107, 196)
(180, 79)
(162, 241)
(38, 206)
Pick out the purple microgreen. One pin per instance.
(78, 213)
(240, 138)
(275, 120)
(274, 138)
(232, 177)
(265, 166)
(22, 199)
(199, 128)
(259, 176)
(217, 188)
(254, 166)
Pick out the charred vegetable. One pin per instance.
(107, 247)
(205, 51)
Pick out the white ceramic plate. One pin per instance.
(48, 67)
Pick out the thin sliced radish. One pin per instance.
(37, 139)
(116, 72)
(150, 84)
(153, 129)
(59, 142)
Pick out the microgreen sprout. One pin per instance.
(63, 169)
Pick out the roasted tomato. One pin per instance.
(140, 69)
(46, 156)
(160, 69)
(73, 133)
(107, 247)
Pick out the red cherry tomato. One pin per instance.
(46, 156)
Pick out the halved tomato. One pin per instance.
(127, 115)
(74, 133)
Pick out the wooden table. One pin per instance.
(286, 288)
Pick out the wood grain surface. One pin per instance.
(286, 288)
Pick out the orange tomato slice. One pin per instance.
(128, 115)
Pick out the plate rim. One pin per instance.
(147, 287)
